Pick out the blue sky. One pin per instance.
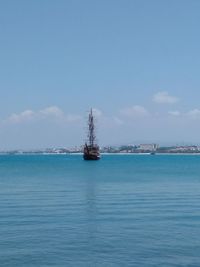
(136, 62)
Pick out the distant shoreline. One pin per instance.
(106, 154)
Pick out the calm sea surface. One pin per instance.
(124, 210)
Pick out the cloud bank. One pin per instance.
(134, 111)
(164, 98)
(175, 113)
(52, 113)
(51, 126)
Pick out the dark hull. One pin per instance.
(91, 157)
(91, 152)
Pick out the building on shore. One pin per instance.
(148, 147)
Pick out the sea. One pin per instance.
(123, 210)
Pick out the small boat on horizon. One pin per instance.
(91, 149)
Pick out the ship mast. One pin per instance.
(91, 129)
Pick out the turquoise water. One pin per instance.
(124, 210)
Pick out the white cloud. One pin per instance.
(52, 112)
(134, 111)
(175, 113)
(26, 115)
(195, 113)
(97, 112)
(164, 98)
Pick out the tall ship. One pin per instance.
(91, 149)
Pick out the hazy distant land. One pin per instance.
(124, 149)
